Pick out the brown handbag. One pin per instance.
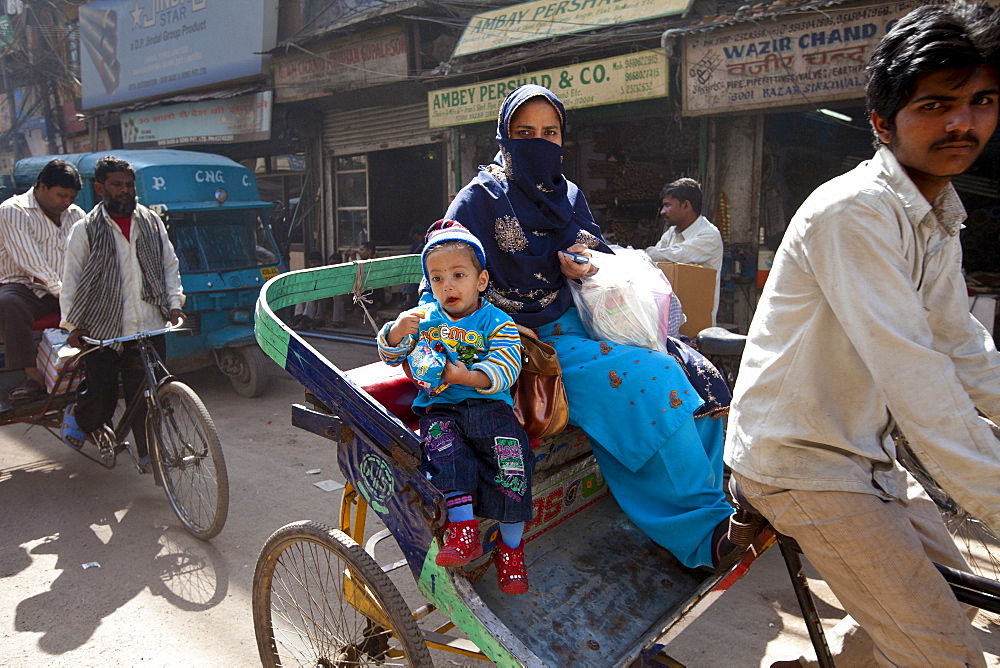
(540, 402)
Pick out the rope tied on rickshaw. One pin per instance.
(361, 297)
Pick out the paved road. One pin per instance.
(161, 598)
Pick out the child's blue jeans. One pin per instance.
(478, 446)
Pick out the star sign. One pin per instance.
(300, 361)
(136, 15)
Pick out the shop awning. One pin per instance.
(606, 40)
(748, 14)
(542, 19)
(337, 20)
(215, 94)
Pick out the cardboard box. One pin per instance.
(695, 287)
(53, 356)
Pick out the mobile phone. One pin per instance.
(579, 259)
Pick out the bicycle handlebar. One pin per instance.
(100, 343)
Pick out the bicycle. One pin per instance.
(749, 528)
(184, 448)
(980, 545)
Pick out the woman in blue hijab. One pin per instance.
(657, 439)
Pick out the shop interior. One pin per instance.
(620, 156)
(805, 149)
(383, 196)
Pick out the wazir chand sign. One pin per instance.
(809, 59)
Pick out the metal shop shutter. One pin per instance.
(378, 129)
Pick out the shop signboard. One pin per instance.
(83, 143)
(72, 122)
(5, 120)
(531, 21)
(138, 49)
(36, 139)
(6, 31)
(807, 59)
(634, 76)
(372, 59)
(6, 163)
(20, 105)
(235, 119)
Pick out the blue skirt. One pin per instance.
(663, 466)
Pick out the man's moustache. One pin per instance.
(964, 138)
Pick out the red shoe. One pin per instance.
(461, 544)
(512, 576)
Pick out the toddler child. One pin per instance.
(464, 354)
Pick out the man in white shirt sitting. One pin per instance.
(689, 238)
(33, 230)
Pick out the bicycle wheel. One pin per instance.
(320, 600)
(977, 541)
(189, 460)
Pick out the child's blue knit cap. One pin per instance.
(450, 230)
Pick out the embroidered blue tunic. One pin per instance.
(663, 466)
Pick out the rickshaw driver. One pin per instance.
(33, 231)
(120, 277)
(864, 325)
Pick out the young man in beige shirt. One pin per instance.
(864, 326)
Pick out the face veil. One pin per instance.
(535, 165)
(522, 226)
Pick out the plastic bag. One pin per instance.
(427, 363)
(628, 301)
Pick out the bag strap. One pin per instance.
(537, 356)
(526, 331)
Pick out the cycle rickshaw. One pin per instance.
(184, 448)
(321, 599)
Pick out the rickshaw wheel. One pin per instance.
(977, 542)
(320, 600)
(247, 368)
(188, 457)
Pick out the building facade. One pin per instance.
(363, 117)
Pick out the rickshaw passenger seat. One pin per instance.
(720, 341)
(47, 321)
(389, 386)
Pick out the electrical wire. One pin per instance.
(43, 73)
(348, 15)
